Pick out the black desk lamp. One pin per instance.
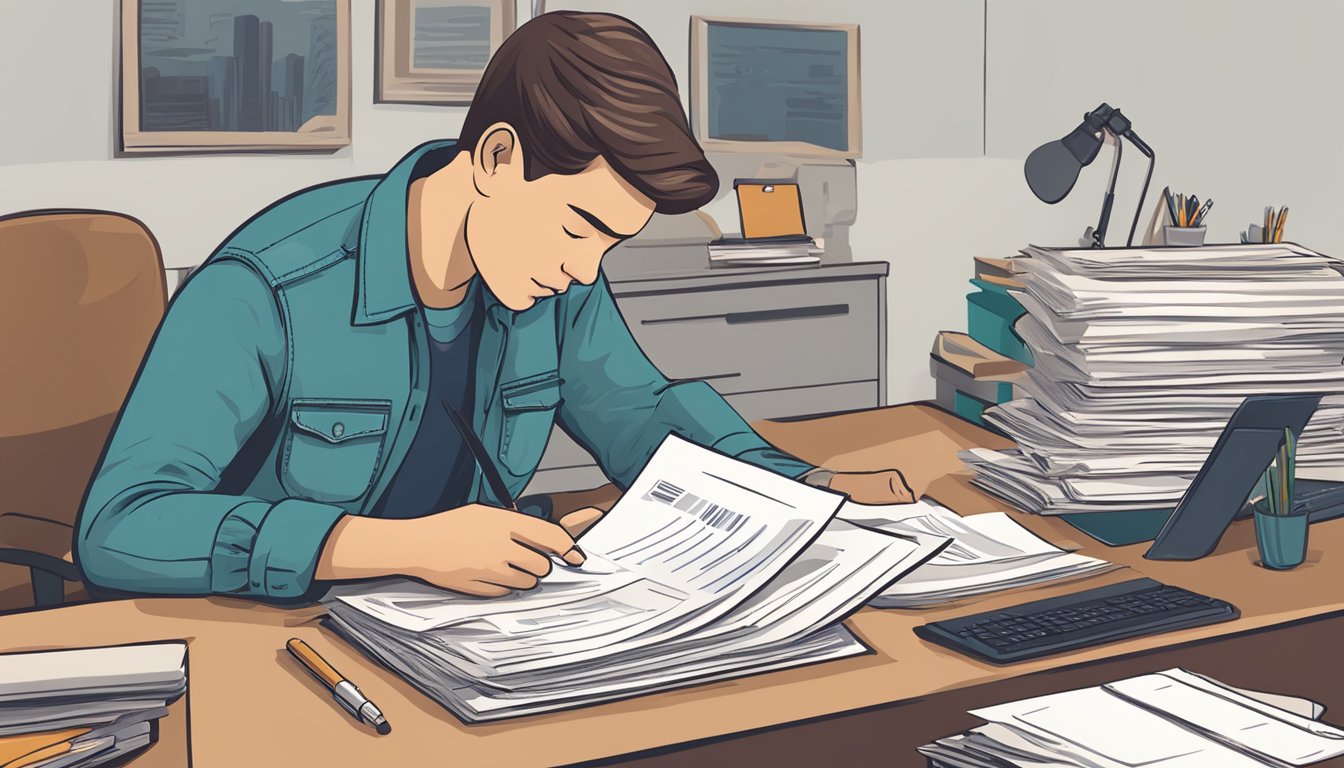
(1052, 169)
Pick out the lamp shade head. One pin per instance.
(1052, 169)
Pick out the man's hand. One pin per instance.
(476, 550)
(580, 520)
(885, 486)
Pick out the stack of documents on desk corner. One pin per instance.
(1169, 719)
(86, 707)
(989, 552)
(1143, 354)
(765, 251)
(707, 568)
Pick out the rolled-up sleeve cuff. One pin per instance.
(749, 446)
(271, 549)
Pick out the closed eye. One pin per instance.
(571, 234)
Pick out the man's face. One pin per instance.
(531, 239)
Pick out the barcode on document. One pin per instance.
(710, 514)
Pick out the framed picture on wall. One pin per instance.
(234, 75)
(434, 51)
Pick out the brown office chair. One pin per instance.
(81, 293)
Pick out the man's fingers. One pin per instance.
(512, 578)
(482, 589)
(530, 561)
(900, 488)
(580, 520)
(546, 538)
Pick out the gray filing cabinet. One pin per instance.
(774, 342)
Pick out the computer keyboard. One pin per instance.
(1093, 617)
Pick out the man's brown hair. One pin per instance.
(578, 86)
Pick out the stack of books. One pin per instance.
(974, 371)
(788, 250)
(1142, 356)
(87, 707)
(992, 310)
(969, 376)
(1169, 718)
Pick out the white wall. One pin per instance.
(57, 137)
(930, 196)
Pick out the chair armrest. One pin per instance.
(39, 543)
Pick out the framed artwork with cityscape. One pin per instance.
(434, 51)
(234, 75)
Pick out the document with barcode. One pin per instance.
(707, 566)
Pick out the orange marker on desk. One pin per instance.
(345, 692)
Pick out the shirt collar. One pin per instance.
(378, 239)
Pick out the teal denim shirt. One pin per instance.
(285, 385)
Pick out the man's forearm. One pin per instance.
(355, 549)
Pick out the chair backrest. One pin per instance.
(81, 294)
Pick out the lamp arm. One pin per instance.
(1099, 235)
(1152, 160)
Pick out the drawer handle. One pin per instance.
(787, 313)
(759, 316)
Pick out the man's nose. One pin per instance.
(584, 270)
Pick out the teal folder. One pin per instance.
(970, 408)
(989, 320)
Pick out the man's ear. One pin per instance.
(498, 156)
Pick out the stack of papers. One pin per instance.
(1141, 357)
(988, 552)
(707, 568)
(1173, 719)
(85, 707)
(728, 252)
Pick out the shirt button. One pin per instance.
(337, 429)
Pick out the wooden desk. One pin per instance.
(250, 704)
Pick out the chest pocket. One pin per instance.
(529, 411)
(333, 447)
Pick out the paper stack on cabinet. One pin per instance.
(1169, 719)
(792, 250)
(1143, 354)
(989, 552)
(707, 568)
(85, 707)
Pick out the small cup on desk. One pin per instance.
(1280, 525)
(1183, 235)
(1282, 539)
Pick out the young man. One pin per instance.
(291, 422)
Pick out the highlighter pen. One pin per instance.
(344, 691)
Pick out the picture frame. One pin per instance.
(435, 51)
(179, 95)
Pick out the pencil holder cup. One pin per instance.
(1183, 235)
(1281, 539)
(1280, 525)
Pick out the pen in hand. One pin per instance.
(344, 691)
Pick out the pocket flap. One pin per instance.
(534, 393)
(337, 422)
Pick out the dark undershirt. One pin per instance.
(438, 469)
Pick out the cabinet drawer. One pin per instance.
(760, 337)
